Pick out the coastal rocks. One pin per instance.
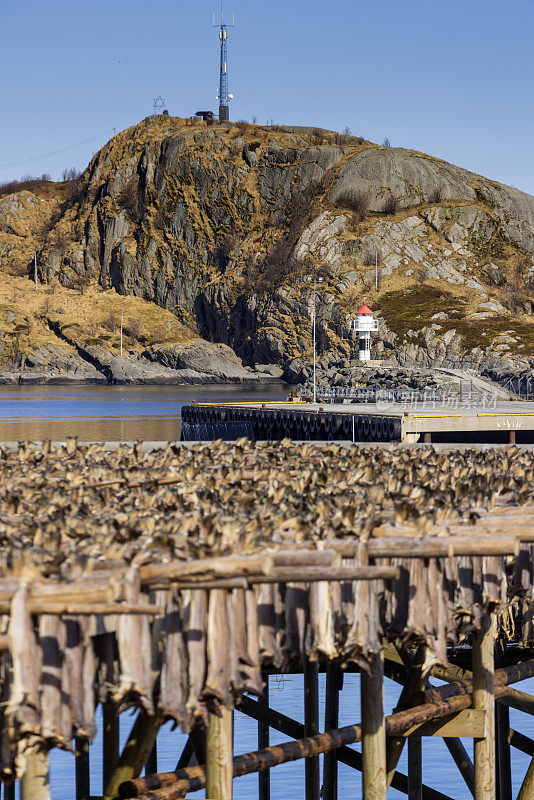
(56, 361)
(350, 376)
(130, 369)
(216, 360)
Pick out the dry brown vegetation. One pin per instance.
(26, 183)
(129, 200)
(357, 201)
(391, 205)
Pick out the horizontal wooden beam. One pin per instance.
(469, 724)
(86, 609)
(521, 742)
(301, 574)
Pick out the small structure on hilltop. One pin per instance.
(363, 324)
(204, 116)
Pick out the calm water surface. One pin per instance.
(110, 413)
(102, 413)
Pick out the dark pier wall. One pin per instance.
(204, 423)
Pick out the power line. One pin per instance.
(56, 152)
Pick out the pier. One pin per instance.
(177, 582)
(362, 422)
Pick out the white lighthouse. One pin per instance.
(363, 324)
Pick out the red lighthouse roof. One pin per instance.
(364, 309)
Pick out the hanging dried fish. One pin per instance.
(81, 664)
(23, 706)
(296, 606)
(216, 690)
(56, 718)
(135, 652)
(399, 598)
(364, 637)
(8, 747)
(322, 621)
(251, 668)
(174, 683)
(267, 623)
(196, 636)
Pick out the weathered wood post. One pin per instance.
(151, 766)
(526, 792)
(110, 741)
(334, 682)
(373, 731)
(82, 773)
(9, 791)
(134, 753)
(502, 754)
(311, 725)
(415, 768)
(219, 756)
(484, 700)
(35, 783)
(264, 777)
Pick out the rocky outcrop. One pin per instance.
(412, 178)
(220, 225)
(200, 357)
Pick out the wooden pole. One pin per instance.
(82, 772)
(334, 682)
(526, 792)
(345, 755)
(484, 700)
(9, 791)
(151, 765)
(219, 756)
(415, 768)
(193, 779)
(110, 744)
(522, 742)
(311, 725)
(462, 761)
(373, 731)
(35, 783)
(264, 778)
(134, 754)
(445, 700)
(502, 727)
(198, 740)
(186, 755)
(414, 683)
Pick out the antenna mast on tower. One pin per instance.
(224, 97)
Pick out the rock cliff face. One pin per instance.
(220, 225)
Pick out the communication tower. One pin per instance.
(224, 97)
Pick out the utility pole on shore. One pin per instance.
(315, 281)
(122, 315)
(376, 270)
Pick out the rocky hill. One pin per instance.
(216, 228)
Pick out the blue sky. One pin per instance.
(449, 78)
